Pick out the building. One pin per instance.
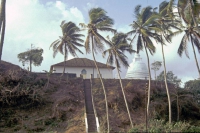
(84, 67)
(137, 69)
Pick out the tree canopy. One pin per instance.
(33, 56)
(171, 78)
(156, 66)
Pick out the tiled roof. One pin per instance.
(82, 62)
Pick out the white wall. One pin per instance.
(105, 72)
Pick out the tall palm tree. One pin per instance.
(192, 34)
(2, 24)
(69, 42)
(166, 20)
(116, 55)
(98, 22)
(144, 31)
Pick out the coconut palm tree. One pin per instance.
(191, 34)
(144, 33)
(166, 20)
(116, 55)
(98, 22)
(2, 24)
(69, 42)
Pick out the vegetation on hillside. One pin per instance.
(22, 91)
(29, 105)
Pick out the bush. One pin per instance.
(133, 130)
(192, 129)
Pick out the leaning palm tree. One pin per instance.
(144, 31)
(69, 42)
(166, 20)
(98, 22)
(116, 55)
(192, 34)
(2, 24)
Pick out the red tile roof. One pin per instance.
(82, 62)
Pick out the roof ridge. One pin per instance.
(82, 62)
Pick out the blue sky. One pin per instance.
(38, 22)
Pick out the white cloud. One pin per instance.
(30, 22)
(91, 5)
(60, 5)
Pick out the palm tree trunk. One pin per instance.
(65, 56)
(177, 104)
(167, 89)
(48, 78)
(195, 56)
(104, 90)
(31, 63)
(149, 88)
(31, 54)
(155, 77)
(2, 22)
(123, 93)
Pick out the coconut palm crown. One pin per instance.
(191, 34)
(70, 42)
(99, 22)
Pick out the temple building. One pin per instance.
(85, 68)
(137, 69)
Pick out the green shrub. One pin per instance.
(133, 130)
(192, 129)
(155, 130)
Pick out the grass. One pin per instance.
(159, 126)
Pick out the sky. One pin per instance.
(38, 22)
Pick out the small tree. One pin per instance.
(33, 56)
(156, 66)
(193, 86)
(48, 73)
(171, 78)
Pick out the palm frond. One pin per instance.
(131, 32)
(110, 59)
(102, 39)
(107, 29)
(87, 44)
(149, 45)
(137, 10)
(105, 52)
(55, 53)
(121, 59)
(54, 43)
(99, 47)
(150, 20)
(146, 13)
(139, 44)
(83, 25)
(196, 43)
(183, 46)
